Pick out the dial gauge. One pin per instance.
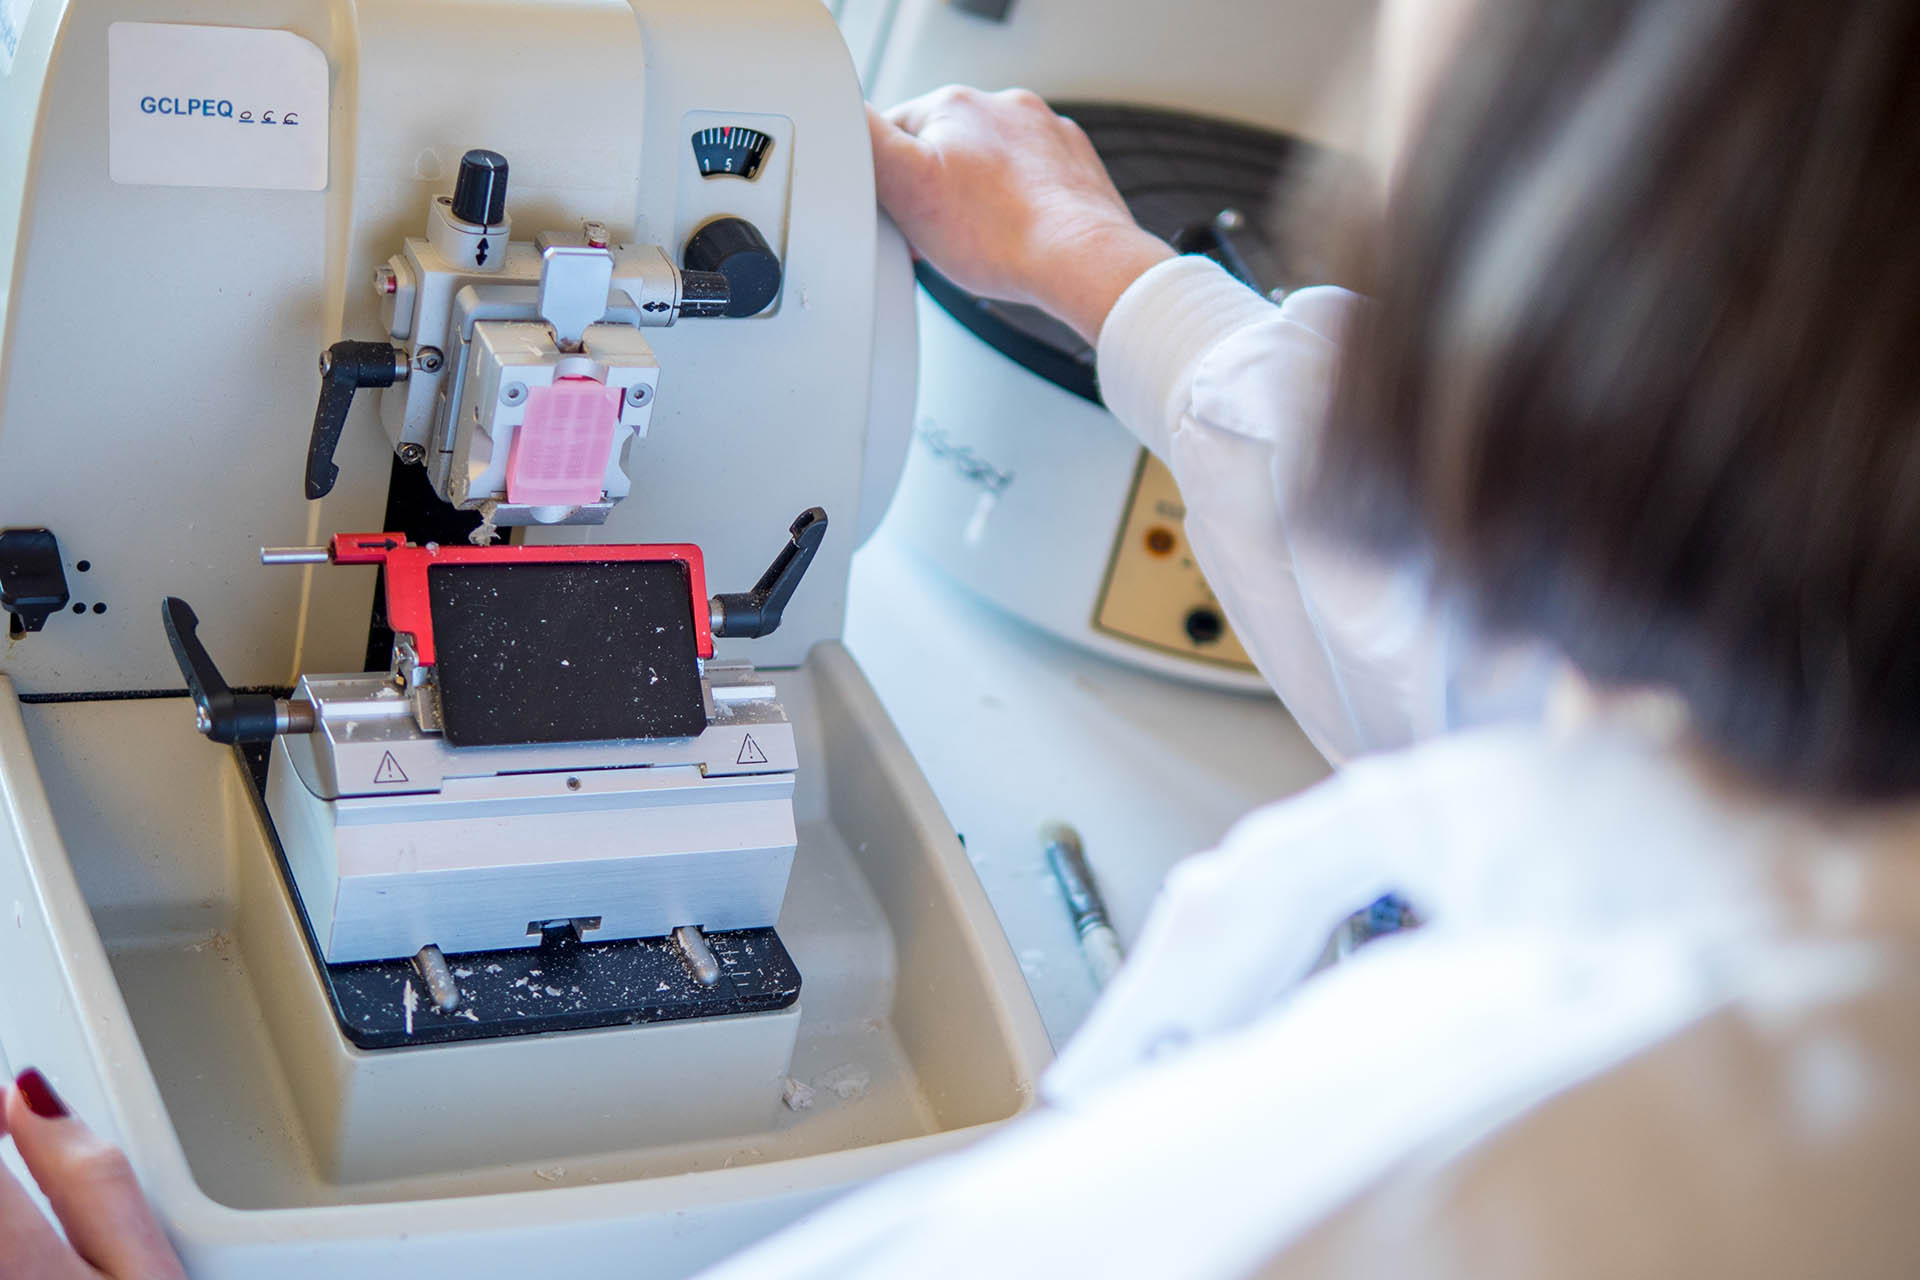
(730, 149)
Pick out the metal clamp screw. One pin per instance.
(411, 452)
(595, 234)
(638, 394)
(385, 282)
(513, 393)
(429, 359)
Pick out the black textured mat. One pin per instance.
(564, 986)
(560, 985)
(565, 652)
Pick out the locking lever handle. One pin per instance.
(344, 369)
(757, 612)
(219, 712)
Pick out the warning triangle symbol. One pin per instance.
(750, 752)
(389, 770)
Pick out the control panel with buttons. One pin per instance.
(1154, 594)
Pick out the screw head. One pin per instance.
(1230, 220)
(513, 393)
(201, 720)
(428, 359)
(385, 282)
(326, 363)
(595, 234)
(638, 394)
(411, 452)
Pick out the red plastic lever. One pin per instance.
(409, 607)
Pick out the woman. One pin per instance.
(1639, 381)
(1640, 384)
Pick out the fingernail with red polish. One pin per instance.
(41, 1099)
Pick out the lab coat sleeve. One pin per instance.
(1214, 1108)
(1156, 336)
(1230, 391)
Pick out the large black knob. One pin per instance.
(735, 248)
(480, 192)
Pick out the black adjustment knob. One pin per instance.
(1205, 626)
(734, 248)
(480, 192)
(704, 293)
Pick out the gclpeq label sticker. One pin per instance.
(193, 106)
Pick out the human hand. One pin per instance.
(110, 1232)
(1009, 200)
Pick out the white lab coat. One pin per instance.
(1229, 390)
(1657, 1024)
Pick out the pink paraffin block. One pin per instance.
(559, 454)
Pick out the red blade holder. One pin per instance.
(547, 644)
(410, 609)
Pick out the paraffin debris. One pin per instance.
(846, 1082)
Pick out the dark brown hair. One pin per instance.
(1643, 364)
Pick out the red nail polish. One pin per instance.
(41, 1099)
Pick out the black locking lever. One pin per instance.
(757, 612)
(344, 369)
(222, 714)
(33, 585)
